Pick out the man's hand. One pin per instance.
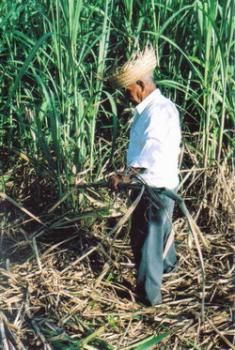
(118, 179)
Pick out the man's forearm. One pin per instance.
(132, 171)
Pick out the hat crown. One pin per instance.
(138, 66)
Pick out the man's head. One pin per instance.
(135, 76)
(138, 91)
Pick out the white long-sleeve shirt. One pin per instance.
(155, 141)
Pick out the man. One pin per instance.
(153, 158)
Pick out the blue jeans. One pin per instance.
(150, 229)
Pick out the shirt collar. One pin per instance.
(155, 95)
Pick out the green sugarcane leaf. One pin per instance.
(29, 59)
(147, 343)
(150, 342)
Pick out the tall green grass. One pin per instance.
(57, 108)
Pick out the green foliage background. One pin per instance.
(56, 105)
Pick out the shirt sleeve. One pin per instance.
(153, 139)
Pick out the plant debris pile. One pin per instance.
(73, 285)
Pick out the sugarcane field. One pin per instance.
(117, 191)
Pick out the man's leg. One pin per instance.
(152, 265)
(139, 227)
(170, 260)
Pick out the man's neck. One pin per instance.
(149, 90)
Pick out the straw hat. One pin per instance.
(139, 65)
